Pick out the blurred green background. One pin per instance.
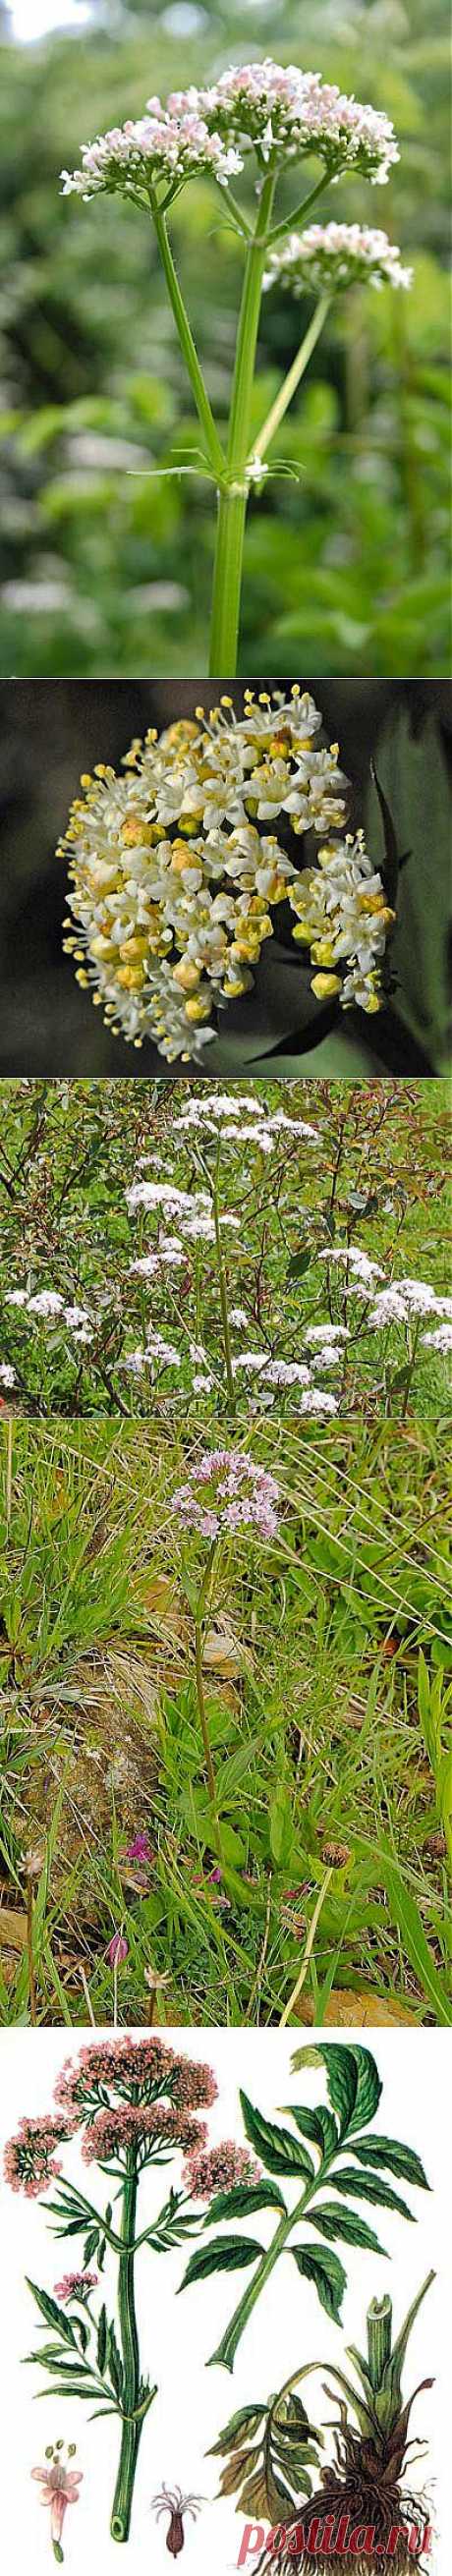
(106, 568)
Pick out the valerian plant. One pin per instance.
(276, 119)
(354, 2091)
(134, 2106)
(225, 1492)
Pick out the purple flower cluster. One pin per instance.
(227, 1491)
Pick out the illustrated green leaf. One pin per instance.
(247, 2420)
(114, 2362)
(371, 2186)
(399, 2160)
(102, 2341)
(326, 2271)
(369, 2089)
(354, 2085)
(244, 2200)
(319, 2126)
(53, 2315)
(90, 2246)
(346, 2224)
(226, 2254)
(278, 2151)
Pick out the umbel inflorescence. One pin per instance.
(176, 872)
(279, 112)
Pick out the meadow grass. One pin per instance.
(327, 1671)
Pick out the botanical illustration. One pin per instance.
(59, 2485)
(134, 2106)
(219, 1250)
(354, 2092)
(270, 119)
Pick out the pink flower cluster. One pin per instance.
(75, 2285)
(283, 111)
(134, 2070)
(139, 2125)
(30, 2162)
(226, 1491)
(207, 2172)
(280, 112)
(151, 147)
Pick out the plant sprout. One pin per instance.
(365, 2487)
(275, 119)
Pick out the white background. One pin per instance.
(177, 2334)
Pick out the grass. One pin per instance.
(327, 1674)
(69, 1152)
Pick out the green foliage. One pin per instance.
(107, 524)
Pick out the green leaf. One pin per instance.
(398, 2159)
(369, 2089)
(298, 1265)
(280, 1826)
(320, 2126)
(102, 2341)
(247, 2420)
(244, 2200)
(278, 2151)
(345, 2224)
(226, 2254)
(54, 2316)
(371, 2186)
(327, 2272)
(405, 1914)
(114, 2362)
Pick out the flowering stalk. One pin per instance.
(279, 114)
(137, 2104)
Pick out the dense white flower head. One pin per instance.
(175, 871)
(277, 111)
(7, 1376)
(283, 113)
(327, 257)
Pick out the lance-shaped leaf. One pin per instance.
(244, 2200)
(278, 2150)
(319, 2126)
(326, 2271)
(371, 2186)
(354, 2086)
(225, 2254)
(390, 866)
(347, 2225)
(399, 2160)
(53, 2315)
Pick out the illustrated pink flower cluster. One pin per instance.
(277, 111)
(227, 1491)
(127, 2094)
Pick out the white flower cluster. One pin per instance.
(238, 1118)
(7, 1376)
(402, 1301)
(173, 884)
(47, 1307)
(133, 157)
(282, 113)
(327, 257)
(279, 112)
(344, 919)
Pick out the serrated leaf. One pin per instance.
(102, 2341)
(346, 2224)
(398, 2159)
(244, 2200)
(53, 2315)
(371, 2186)
(320, 2126)
(278, 2151)
(246, 2420)
(226, 2254)
(354, 2085)
(327, 2272)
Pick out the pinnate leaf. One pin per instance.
(278, 2150)
(224, 2254)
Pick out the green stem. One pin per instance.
(300, 211)
(232, 502)
(227, 2349)
(203, 406)
(199, 1639)
(412, 1365)
(223, 1303)
(132, 2425)
(293, 379)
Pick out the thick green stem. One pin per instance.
(379, 2337)
(232, 502)
(203, 406)
(293, 379)
(199, 1638)
(228, 2347)
(132, 2426)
